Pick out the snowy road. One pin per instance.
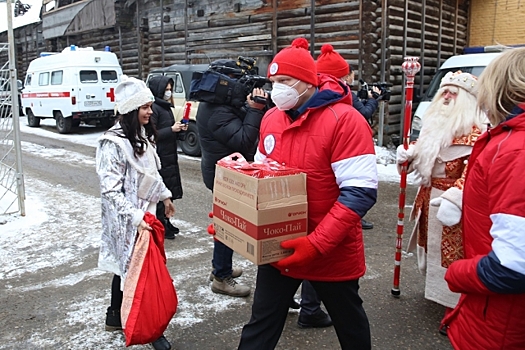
(52, 296)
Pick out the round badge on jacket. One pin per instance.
(269, 144)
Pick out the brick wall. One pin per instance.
(495, 22)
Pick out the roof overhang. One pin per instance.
(79, 17)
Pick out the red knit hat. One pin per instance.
(295, 61)
(331, 62)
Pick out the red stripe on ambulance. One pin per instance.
(46, 94)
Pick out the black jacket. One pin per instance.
(367, 108)
(163, 119)
(224, 130)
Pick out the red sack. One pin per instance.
(150, 299)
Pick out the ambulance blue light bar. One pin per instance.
(484, 49)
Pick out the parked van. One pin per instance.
(73, 86)
(469, 63)
(181, 75)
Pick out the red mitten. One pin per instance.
(211, 229)
(210, 214)
(304, 252)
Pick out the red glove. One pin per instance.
(304, 252)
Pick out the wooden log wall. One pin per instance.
(374, 36)
(432, 30)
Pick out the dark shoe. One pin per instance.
(294, 304)
(161, 344)
(318, 320)
(172, 228)
(113, 322)
(169, 235)
(366, 224)
(443, 330)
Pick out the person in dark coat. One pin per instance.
(223, 130)
(168, 132)
(331, 62)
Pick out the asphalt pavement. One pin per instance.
(52, 296)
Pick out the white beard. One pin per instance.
(441, 125)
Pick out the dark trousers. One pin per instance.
(116, 294)
(161, 213)
(271, 299)
(310, 303)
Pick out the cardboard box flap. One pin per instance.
(260, 192)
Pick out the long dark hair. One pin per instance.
(130, 125)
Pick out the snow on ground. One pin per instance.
(37, 198)
(23, 251)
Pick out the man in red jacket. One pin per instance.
(315, 129)
(491, 278)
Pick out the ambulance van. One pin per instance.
(74, 86)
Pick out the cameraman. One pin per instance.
(367, 106)
(223, 130)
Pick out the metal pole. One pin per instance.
(14, 110)
(422, 47)
(162, 32)
(381, 123)
(380, 129)
(312, 28)
(120, 45)
(410, 67)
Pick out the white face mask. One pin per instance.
(285, 97)
(167, 95)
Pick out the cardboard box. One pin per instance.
(253, 215)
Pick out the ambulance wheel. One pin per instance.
(191, 145)
(64, 125)
(32, 121)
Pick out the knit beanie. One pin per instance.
(131, 93)
(465, 81)
(296, 62)
(331, 62)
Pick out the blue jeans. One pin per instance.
(222, 260)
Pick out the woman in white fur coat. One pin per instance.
(130, 184)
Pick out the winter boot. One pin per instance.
(161, 344)
(236, 272)
(168, 232)
(113, 322)
(229, 287)
(172, 228)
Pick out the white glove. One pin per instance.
(402, 154)
(448, 213)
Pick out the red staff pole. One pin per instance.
(410, 67)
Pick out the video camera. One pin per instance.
(227, 82)
(384, 94)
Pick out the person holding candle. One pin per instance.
(168, 132)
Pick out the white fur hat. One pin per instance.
(130, 94)
(465, 81)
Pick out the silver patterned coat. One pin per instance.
(129, 187)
